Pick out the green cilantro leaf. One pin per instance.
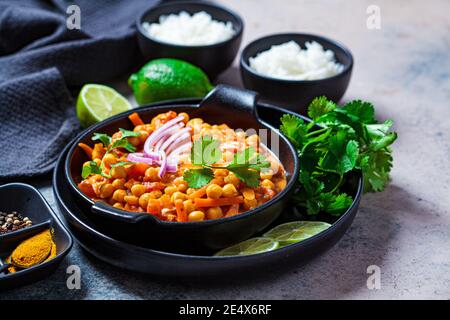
(294, 128)
(92, 168)
(319, 107)
(121, 164)
(122, 143)
(128, 133)
(338, 141)
(361, 111)
(104, 138)
(197, 178)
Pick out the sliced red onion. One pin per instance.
(160, 132)
(160, 142)
(139, 157)
(183, 140)
(178, 135)
(172, 165)
(167, 134)
(162, 165)
(182, 148)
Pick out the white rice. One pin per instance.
(184, 29)
(288, 61)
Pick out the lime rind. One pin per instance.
(293, 232)
(98, 102)
(248, 247)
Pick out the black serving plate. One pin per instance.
(97, 241)
(26, 200)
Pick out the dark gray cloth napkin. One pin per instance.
(41, 60)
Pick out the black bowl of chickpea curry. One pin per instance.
(184, 177)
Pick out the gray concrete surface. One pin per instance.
(404, 69)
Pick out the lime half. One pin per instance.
(250, 246)
(292, 232)
(97, 102)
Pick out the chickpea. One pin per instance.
(131, 200)
(248, 193)
(253, 140)
(195, 124)
(170, 190)
(143, 136)
(214, 213)
(266, 174)
(268, 184)
(250, 204)
(220, 173)
(182, 187)
(106, 190)
(195, 216)
(214, 191)
(138, 189)
(152, 174)
(189, 206)
(143, 200)
(118, 195)
(118, 205)
(155, 194)
(177, 195)
(231, 178)
(281, 184)
(129, 183)
(118, 183)
(185, 116)
(118, 172)
(87, 163)
(109, 159)
(229, 190)
(98, 151)
(135, 141)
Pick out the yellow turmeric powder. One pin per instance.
(33, 250)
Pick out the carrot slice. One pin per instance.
(233, 210)
(86, 149)
(198, 193)
(218, 202)
(135, 119)
(181, 213)
(137, 170)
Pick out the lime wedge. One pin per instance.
(250, 246)
(97, 102)
(292, 232)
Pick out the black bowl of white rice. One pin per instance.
(202, 33)
(292, 69)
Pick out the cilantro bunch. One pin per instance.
(348, 138)
(205, 152)
(93, 167)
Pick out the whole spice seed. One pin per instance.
(13, 221)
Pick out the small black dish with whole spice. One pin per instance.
(25, 203)
(291, 69)
(213, 49)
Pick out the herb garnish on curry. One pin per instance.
(181, 169)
